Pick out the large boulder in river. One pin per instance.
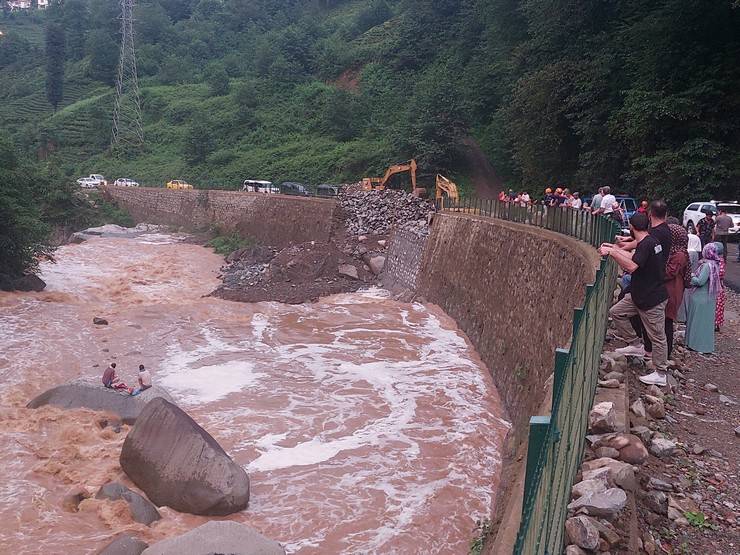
(29, 282)
(91, 395)
(221, 536)
(178, 464)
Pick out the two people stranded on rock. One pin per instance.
(112, 381)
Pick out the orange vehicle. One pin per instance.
(380, 183)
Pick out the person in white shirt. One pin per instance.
(576, 203)
(694, 248)
(607, 201)
(145, 380)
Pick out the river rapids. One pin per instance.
(366, 425)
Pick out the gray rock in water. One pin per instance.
(221, 536)
(84, 394)
(141, 509)
(124, 545)
(100, 321)
(29, 282)
(178, 464)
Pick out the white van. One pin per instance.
(256, 186)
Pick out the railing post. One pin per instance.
(561, 366)
(538, 428)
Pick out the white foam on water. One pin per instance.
(193, 381)
(206, 384)
(260, 324)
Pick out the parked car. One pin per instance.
(125, 182)
(291, 188)
(92, 181)
(695, 212)
(87, 183)
(327, 190)
(256, 186)
(698, 210)
(178, 184)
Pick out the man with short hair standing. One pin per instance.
(705, 227)
(596, 201)
(723, 225)
(607, 201)
(648, 295)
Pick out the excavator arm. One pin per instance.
(369, 183)
(446, 188)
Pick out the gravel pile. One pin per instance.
(377, 212)
(419, 228)
(239, 274)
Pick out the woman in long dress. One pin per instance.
(702, 302)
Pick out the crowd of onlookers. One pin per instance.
(603, 202)
(670, 276)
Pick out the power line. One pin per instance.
(127, 127)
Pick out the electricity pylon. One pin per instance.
(127, 126)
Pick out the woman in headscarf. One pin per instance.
(719, 319)
(702, 303)
(677, 276)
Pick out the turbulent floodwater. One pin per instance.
(366, 425)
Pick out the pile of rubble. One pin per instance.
(377, 212)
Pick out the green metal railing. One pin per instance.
(556, 441)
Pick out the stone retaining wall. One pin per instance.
(403, 261)
(276, 220)
(512, 289)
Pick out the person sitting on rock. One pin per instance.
(110, 379)
(145, 380)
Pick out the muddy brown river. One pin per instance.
(366, 425)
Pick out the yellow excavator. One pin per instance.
(445, 188)
(380, 183)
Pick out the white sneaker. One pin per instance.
(656, 378)
(631, 350)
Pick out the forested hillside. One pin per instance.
(643, 95)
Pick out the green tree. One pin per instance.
(103, 57)
(217, 79)
(199, 141)
(55, 59)
(22, 233)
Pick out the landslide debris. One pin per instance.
(352, 259)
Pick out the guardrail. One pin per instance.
(556, 441)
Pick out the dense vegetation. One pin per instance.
(643, 95)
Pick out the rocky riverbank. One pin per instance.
(669, 484)
(353, 258)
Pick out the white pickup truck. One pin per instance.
(93, 181)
